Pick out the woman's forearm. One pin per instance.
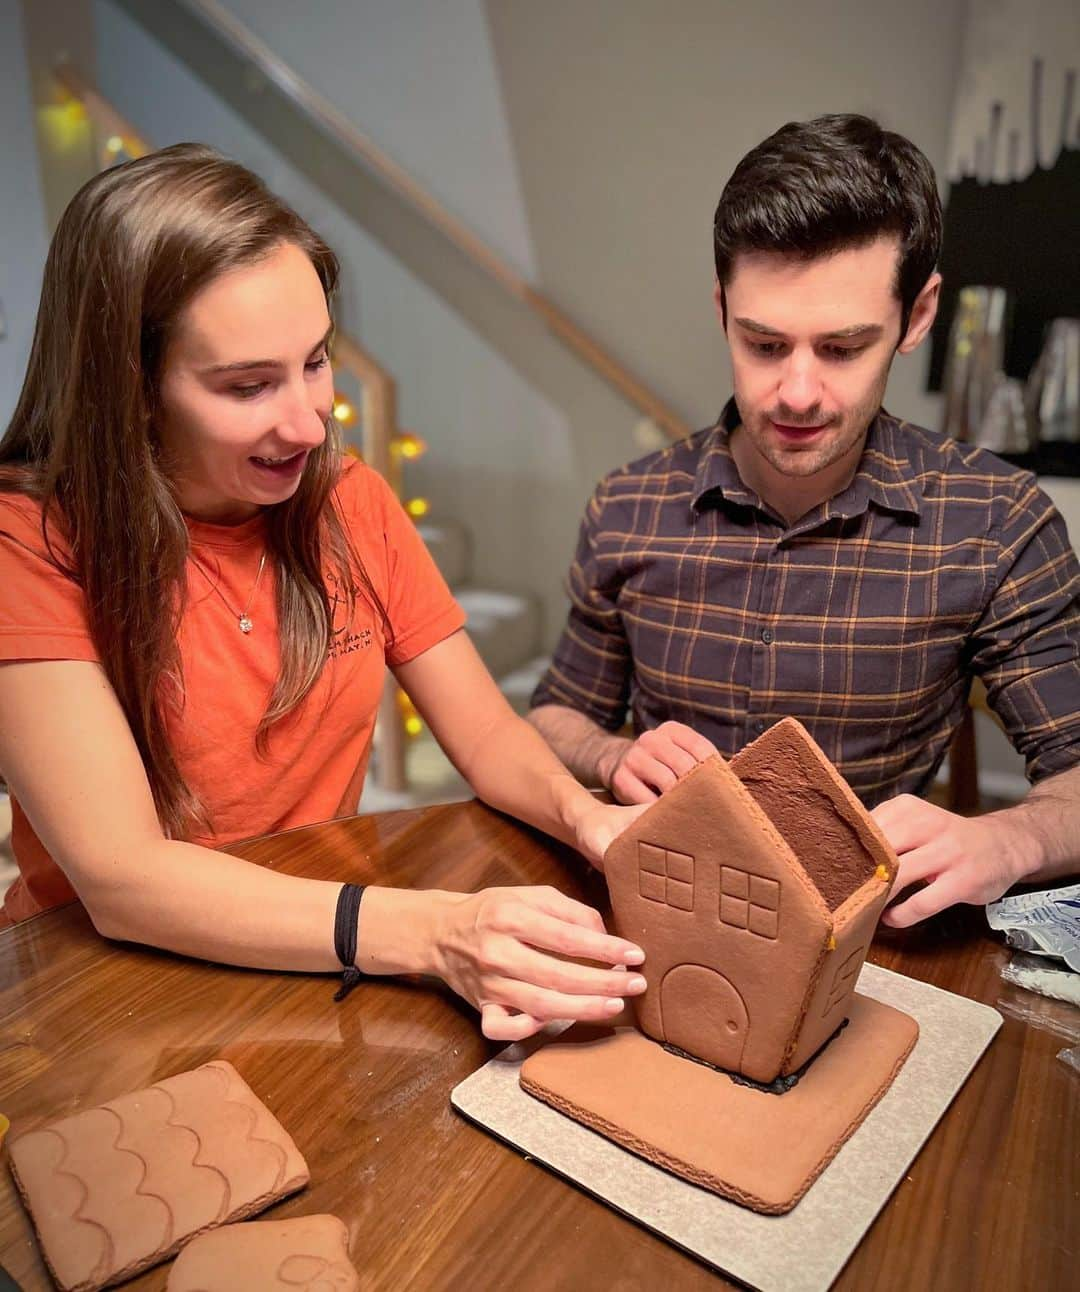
(207, 904)
(512, 768)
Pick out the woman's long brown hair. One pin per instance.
(132, 249)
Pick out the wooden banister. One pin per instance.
(365, 150)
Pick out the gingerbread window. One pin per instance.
(666, 877)
(749, 901)
(843, 982)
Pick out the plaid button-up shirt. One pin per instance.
(866, 620)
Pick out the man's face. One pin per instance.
(811, 344)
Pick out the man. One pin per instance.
(811, 555)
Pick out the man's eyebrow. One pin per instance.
(752, 325)
(864, 331)
(243, 365)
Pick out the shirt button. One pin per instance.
(760, 725)
(767, 636)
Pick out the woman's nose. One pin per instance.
(303, 419)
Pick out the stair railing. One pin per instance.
(367, 153)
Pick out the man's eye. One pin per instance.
(765, 348)
(844, 352)
(250, 390)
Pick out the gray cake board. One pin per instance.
(804, 1250)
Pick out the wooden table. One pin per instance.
(992, 1201)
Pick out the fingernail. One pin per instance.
(633, 957)
(613, 1006)
(636, 985)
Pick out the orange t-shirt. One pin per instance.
(318, 754)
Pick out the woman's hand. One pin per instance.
(502, 949)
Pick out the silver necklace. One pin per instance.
(243, 619)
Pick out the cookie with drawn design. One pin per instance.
(117, 1188)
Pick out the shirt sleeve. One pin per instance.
(42, 607)
(591, 669)
(1027, 644)
(420, 607)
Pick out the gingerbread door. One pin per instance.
(702, 1012)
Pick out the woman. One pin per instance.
(198, 604)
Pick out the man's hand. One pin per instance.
(599, 825)
(959, 859)
(642, 771)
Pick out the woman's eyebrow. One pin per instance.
(242, 364)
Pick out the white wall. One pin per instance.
(22, 216)
(418, 77)
(628, 116)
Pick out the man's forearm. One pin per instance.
(583, 746)
(1048, 820)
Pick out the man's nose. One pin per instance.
(800, 386)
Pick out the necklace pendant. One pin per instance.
(245, 624)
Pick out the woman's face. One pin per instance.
(246, 388)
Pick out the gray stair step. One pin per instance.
(448, 543)
(432, 778)
(504, 626)
(519, 685)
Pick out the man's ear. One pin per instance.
(720, 302)
(923, 313)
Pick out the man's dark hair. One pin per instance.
(816, 187)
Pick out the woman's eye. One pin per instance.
(318, 363)
(249, 391)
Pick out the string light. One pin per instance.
(407, 444)
(344, 412)
(410, 719)
(65, 125)
(417, 507)
(113, 145)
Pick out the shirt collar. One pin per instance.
(885, 474)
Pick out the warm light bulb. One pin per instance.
(413, 725)
(417, 507)
(409, 445)
(344, 413)
(114, 144)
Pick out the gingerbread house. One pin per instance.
(754, 886)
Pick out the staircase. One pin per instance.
(505, 628)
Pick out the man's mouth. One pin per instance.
(798, 432)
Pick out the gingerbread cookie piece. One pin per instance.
(308, 1254)
(117, 1188)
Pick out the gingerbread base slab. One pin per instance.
(804, 1250)
(762, 1150)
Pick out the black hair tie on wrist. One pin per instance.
(346, 919)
